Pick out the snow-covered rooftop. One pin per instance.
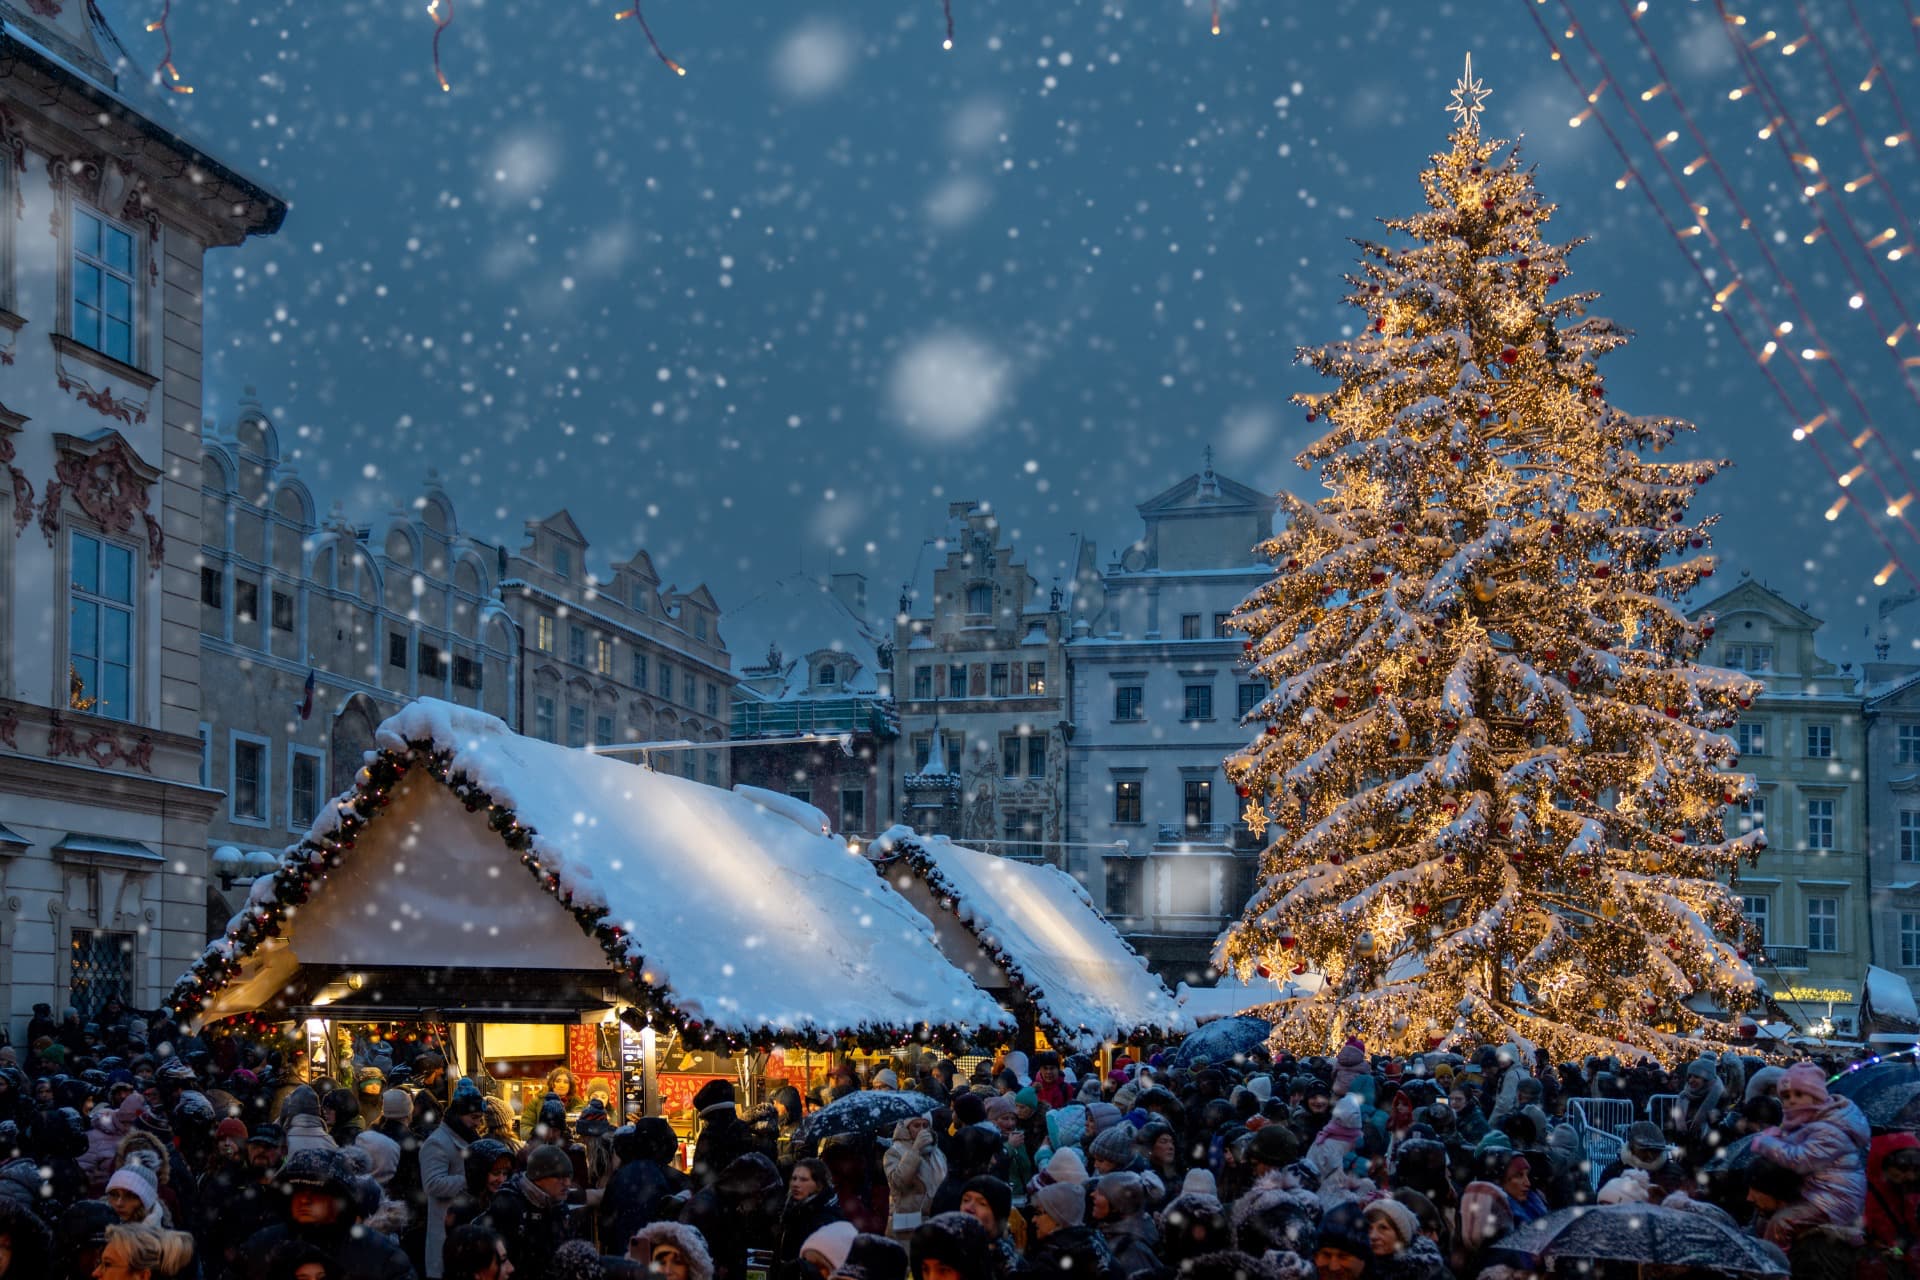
(1890, 996)
(743, 918)
(1040, 928)
(1230, 997)
(800, 616)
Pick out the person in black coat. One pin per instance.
(643, 1187)
(740, 1211)
(530, 1212)
(724, 1136)
(322, 1210)
(239, 1201)
(972, 1152)
(487, 1166)
(811, 1204)
(1067, 1248)
(29, 1244)
(954, 1240)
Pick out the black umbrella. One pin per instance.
(870, 1111)
(1646, 1233)
(1737, 1154)
(1224, 1040)
(1861, 1080)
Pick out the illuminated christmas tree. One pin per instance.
(1493, 773)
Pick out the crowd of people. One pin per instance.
(213, 1158)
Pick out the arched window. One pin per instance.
(980, 598)
(828, 676)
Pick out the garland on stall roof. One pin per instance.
(306, 865)
(944, 891)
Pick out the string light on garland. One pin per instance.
(440, 24)
(646, 30)
(946, 8)
(1216, 17)
(171, 76)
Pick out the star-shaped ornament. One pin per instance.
(1255, 816)
(1469, 97)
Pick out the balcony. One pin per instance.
(1198, 836)
(1773, 957)
(791, 717)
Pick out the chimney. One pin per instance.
(850, 589)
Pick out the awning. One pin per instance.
(1031, 928)
(465, 846)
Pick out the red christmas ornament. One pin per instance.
(1273, 731)
(1673, 712)
(1340, 701)
(1703, 477)
(1449, 858)
(1399, 527)
(1485, 413)
(1377, 576)
(1548, 655)
(1243, 792)
(1487, 203)
(1508, 355)
(1696, 543)
(1506, 826)
(1584, 872)
(1288, 941)
(1263, 971)
(1556, 528)
(1335, 859)
(1420, 658)
(1602, 571)
(1292, 563)
(1706, 632)
(1420, 910)
(1380, 324)
(1707, 572)
(1524, 263)
(1246, 646)
(1312, 417)
(1554, 278)
(1453, 455)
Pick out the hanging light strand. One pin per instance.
(441, 21)
(946, 9)
(1874, 63)
(169, 74)
(647, 31)
(1573, 77)
(1704, 228)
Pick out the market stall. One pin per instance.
(1029, 933)
(538, 909)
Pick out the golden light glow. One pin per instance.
(1885, 575)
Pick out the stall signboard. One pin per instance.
(676, 1092)
(593, 1056)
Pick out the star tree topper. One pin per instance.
(1469, 97)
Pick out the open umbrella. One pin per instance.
(1865, 1078)
(1646, 1233)
(870, 1111)
(1223, 1040)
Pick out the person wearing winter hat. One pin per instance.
(323, 1208)
(239, 1199)
(886, 1080)
(383, 1155)
(672, 1251)
(1342, 1249)
(305, 1129)
(1824, 1139)
(1117, 1207)
(824, 1250)
(443, 1177)
(1016, 1062)
(530, 1211)
(1065, 1244)
(724, 1136)
(1112, 1150)
(1646, 1151)
(950, 1246)
(134, 1194)
(1399, 1250)
(915, 1168)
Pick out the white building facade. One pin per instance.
(1158, 688)
(106, 215)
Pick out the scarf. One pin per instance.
(535, 1196)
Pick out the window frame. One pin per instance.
(546, 708)
(134, 278)
(1750, 737)
(1036, 680)
(263, 786)
(248, 591)
(296, 752)
(1907, 935)
(923, 683)
(1820, 736)
(978, 593)
(275, 599)
(401, 658)
(603, 729)
(1764, 915)
(101, 602)
(1906, 743)
(1036, 755)
(213, 594)
(543, 632)
(576, 738)
(1129, 798)
(1196, 703)
(603, 655)
(847, 824)
(1220, 631)
(1137, 704)
(1189, 626)
(1906, 835)
(1831, 818)
(577, 645)
(1188, 797)
(1244, 688)
(640, 671)
(1831, 919)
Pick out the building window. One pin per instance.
(576, 725)
(577, 646)
(699, 626)
(544, 727)
(543, 633)
(1197, 796)
(603, 730)
(1906, 744)
(666, 681)
(1123, 887)
(1220, 626)
(248, 790)
(688, 765)
(1251, 696)
(923, 683)
(640, 671)
(1760, 657)
(1127, 703)
(282, 611)
(1126, 800)
(1010, 756)
(1757, 908)
(1037, 755)
(1020, 834)
(397, 650)
(1747, 657)
(100, 966)
(206, 754)
(1199, 702)
(688, 687)
(1909, 940)
(210, 587)
(997, 680)
(303, 788)
(103, 285)
(1823, 924)
(1751, 737)
(1189, 626)
(828, 676)
(922, 752)
(1753, 812)
(1820, 741)
(957, 681)
(603, 656)
(853, 809)
(563, 562)
(466, 671)
(1909, 834)
(100, 631)
(713, 768)
(1820, 824)
(432, 663)
(980, 599)
(246, 601)
(1036, 679)
(713, 699)
(640, 593)
(803, 794)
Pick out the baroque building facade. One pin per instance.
(107, 215)
(1892, 715)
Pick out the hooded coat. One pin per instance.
(305, 1129)
(740, 1211)
(1893, 1214)
(690, 1243)
(1826, 1144)
(105, 1129)
(443, 1179)
(1072, 1253)
(1351, 1061)
(533, 1224)
(639, 1192)
(915, 1169)
(1132, 1237)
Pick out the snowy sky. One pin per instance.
(783, 310)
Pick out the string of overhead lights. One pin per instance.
(170, 74)
(1875, 66)
(658, 52)
(440, 24)
(1895, 563)
(1858, 441)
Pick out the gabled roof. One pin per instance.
(641, 566)
(722, 916)
(1759, 598)
(1185, 496)
(1036, 928)
(702, 597)
(802, 617)
(560, 522)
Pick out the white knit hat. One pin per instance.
(134, 1178)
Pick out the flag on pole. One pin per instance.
(306, 696)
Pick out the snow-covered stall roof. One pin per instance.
(1230, 997)
(1889, 998)
(1039, 933)
(721, 914)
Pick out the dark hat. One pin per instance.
(878, 1257)
(714, 1093)
(1644, 1135)
(956, 1239)
(268, 1134)
(466, 1102)
(548, 1162)
(1345, 1229)
(318, 1169)
(1275, 1146)
(995, 1191)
